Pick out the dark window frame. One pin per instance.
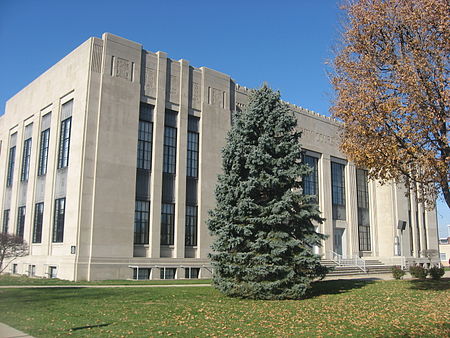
(38, 222)
(362, 201)
(193, 145)
(64, 143)
(43, 152)
(141, 222)
(21, 214)
(145, 145)
(26, 160)
(11, 164)
(310, 182)
(191, 231)
(5, 224)
(59, 220)
(167, 223)
(338, 197)
(170, 150)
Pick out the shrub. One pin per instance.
(436, 272)
(397, 272)
(418, 271)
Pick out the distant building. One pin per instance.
(444, 248)
(109, 160)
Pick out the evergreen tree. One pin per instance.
(262, 223)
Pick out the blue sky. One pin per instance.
(285, 43)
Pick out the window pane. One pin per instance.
(20, 222)
(191, 226)
(167, 223)
(5, 221)
(311, 181)
(37, 226)
(144, 153)
(141, 222)
(58, 225)
(11, 160)
(338, 190)
(26, 160)
(192, 155)
(43, 152)
(170, 150)
(64, 143)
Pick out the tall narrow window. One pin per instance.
(144, 155)
(424, 224)
(411, 238)
(338, 190)
(43, 152)
(26, 160)
(5, 224)
(167, 223)
(192, 164)
(141, 222)
(311, 181)
(11, 160)
(20, 221)
(169, 171)
(362, 194)
(58, 223)
(170, 150)
(64, 143)
(419, 246)
(37, 225)
(192, 154)
(191, 226)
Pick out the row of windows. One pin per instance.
(165, 273)
(58, 223)
(311, 187)
(63, 150)
(144, 156)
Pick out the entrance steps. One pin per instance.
(373, 266)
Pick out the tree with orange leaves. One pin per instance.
(391, 78)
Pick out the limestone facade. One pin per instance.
(109, 160)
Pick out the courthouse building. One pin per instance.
(109, 161)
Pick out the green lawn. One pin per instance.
(7, 280)
(400, 308)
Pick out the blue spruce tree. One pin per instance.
(262, 223)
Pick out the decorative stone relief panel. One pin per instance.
(96, 64)
(196, 95)
(123, 69)
(173, 89)
(316, 137)
(150, 82)
(216, 97)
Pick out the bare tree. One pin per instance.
(11, 247)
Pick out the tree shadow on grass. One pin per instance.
(332, 287)
(430, 284)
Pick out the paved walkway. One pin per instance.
(9, 332)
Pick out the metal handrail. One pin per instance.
(355, 261)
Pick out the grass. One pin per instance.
(362, 308)
(13, 280)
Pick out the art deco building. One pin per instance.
(109, 160)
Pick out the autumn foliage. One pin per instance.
(391, 77)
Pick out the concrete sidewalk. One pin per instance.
(9, 332)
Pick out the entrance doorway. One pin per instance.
(338, 241)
